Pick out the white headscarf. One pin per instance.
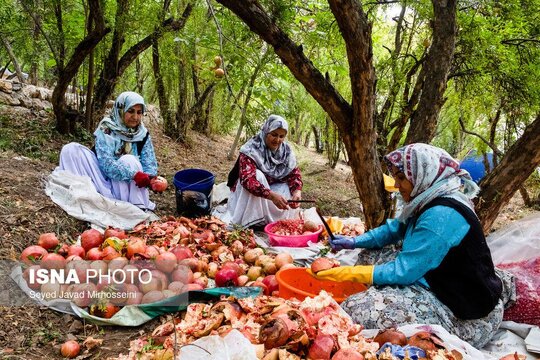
(276, 164)
(433, 173)
(115, 123)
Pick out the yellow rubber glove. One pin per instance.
(358, 273)
(389, 184)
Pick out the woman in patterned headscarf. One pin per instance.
(265, 177)
(123, 161)
(443, 274)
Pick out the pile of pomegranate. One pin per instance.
(294, 227)
(314, 328)
(153, 262)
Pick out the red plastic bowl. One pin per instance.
(298, 283)
(291, 240)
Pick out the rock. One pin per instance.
(7, 99)
(6, 86)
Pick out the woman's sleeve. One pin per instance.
(248, 177)
(389, 233)
(294, 180)
(436, 231)
(148, 158)
(108, 163)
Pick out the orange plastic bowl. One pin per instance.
(298, 283)
(291, 240)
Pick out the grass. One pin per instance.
(36, 139)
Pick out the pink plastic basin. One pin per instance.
(291, 240)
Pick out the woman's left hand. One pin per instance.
(296, 195)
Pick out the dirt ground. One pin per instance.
(28, 331)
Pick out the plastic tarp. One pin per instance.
(77, 196)
(135, 315)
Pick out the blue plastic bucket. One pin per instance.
(193, 184)
(194, 180)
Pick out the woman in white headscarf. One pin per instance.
(122, 161)
(432, 264)
(265, 177)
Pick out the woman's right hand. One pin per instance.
(342, 242)
(278, 200)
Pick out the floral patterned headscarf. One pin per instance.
(114, 124)
(276, 164)
(433, 173)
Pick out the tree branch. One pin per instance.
(252, 13)
(168, 25)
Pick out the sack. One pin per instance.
(516, 248)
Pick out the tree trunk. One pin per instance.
(114, 65)
(67, 73)
(423, 124)
(12, 57)
(318, 142)
(251, 85)
(515, 167)
(354, 121)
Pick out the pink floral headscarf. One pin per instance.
(433, 173)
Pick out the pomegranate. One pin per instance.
(132, 274)
(34, 285)
(426, 341)
(152, 296)
(514, 356)
(219, 72)
(347, 354)
(176, 286)
(283, 259)
(62, 249)
(271, 284)
(392, 336)
(70, 349)
(53, 261)
(252, 255)
(183, 274)
(226, 277)
(323, 263)
(106, 311)
(135, 245)
(134, 298)
(254, 272)
(114, 232)
(76, 250)
(91, 238)
(32, 254)
(166, 262)
(274, 333)
(181, 252)
(321, 348)
(242, 280)
(100, 266)
(110, 253)
(81, 268)
(234, 266)
(152, 251)
(159, 184)
(260, 284)
(310, 226)
(94, 254)
(84, 293)
(48, 241)
(193, 287)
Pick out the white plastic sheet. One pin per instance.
(79, 198)
(234, 346)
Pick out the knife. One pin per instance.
(325, 225)
(300, 201)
